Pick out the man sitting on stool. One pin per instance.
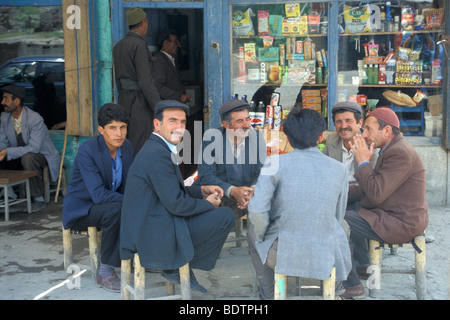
(95, 193)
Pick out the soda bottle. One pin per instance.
(252, 113)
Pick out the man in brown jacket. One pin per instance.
(394, 209)
(134, 78)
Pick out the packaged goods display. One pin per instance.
(378, 46)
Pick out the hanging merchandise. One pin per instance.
(242, 23)
(356, 19)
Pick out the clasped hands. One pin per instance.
(212, 194)
(242, 195)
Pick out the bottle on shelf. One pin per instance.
(388, 18)
(260, 116)
(407, 18)
(375, 74)
(244, 98)
(365, 74)
(370, 79)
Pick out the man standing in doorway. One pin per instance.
(134, 78)
(167, 78)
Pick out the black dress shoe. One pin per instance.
(173, 276)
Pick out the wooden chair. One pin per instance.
(418, 244)
(48, 184)
(94, 237)
(328, 286)
(139, 282)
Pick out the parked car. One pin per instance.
(44, 81)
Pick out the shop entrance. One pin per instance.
(187, 25)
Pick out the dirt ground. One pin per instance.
(31, 265)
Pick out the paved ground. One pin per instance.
(31, 264)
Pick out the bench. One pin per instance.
(10, 178)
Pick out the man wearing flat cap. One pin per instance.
(392, 194)
(348, 120)
(167, 223)
(25, 143)
(134, 78)
(238, 157)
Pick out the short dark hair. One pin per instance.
(134, 26)
(111, 112)
(163, 36)
(303, 127)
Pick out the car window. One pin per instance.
(53, 70)
(18, 72)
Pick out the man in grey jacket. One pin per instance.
(296, 213)
(25, 143)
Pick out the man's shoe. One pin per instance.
(356, 292)
(110, 282)
(173, 276)
(35, 206)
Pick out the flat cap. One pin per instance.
(347, 106)
(14, 89)
(170, 104)
(386, 115)
(232, 106)
(135, 15)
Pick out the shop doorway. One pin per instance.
(187, 24)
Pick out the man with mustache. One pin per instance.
(237, 168)
(166, 223)
(25, 143)
(348, 120)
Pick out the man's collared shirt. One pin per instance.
(117, 170)
(347, 159)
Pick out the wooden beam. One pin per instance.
(78, 64)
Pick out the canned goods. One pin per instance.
(269, 111)
(275, 99)
(277, 112)
(269, 122)
(276, 124)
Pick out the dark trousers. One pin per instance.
(32, 162)
(360, 232)
(208, 232)
(106, 217)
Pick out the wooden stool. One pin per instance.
(328, 286)
(418, 244)
(139, 282)
(47, 184)
(94, 237)
(9, 178)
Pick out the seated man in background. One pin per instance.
(95, 193)
(25, 143)
(163, 221)
(297, 212)
(348, 121)
(245, 147)
(394, 208)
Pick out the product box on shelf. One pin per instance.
(302, 71)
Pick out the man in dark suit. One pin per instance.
(95, 192)
(167, 223)
(134, 80)
(167, 79)
(238, 162)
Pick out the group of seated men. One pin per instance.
(309, 211)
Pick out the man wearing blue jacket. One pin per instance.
(95, 193)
